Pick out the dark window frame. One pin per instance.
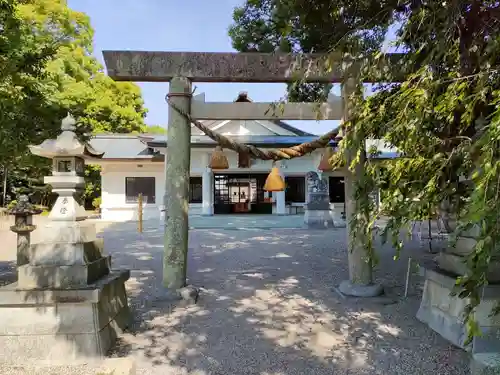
(195, 190)
(298, 194)
(340, 196)
(148, 190)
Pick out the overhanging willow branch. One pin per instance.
(281, 154)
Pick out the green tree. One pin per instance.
(155, 129)
(445, 118)
(28, 41)
(348, 26)
(46, 70)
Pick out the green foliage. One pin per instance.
(46, 70)
(96, 203)
(349, 26)
(155, 129)
(445, 119)
(12, 204)
(92, 185)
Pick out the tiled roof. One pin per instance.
(256, 140)
(125, 146)
(121, 146)
(243, 97)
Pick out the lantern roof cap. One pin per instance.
(66, 144)
(23, 207)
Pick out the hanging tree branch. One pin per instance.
(281, 154)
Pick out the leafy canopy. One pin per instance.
(349, 26)
(46, 70)
(445, 119)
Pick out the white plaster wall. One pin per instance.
(115, 208)
(298, 166)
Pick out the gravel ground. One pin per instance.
(269, 307)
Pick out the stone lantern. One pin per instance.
(68, 304)
(68, 156)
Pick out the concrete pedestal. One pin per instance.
(485, 364)
(348, 288)
(67, 304)
(318, 219)
(62, 326)
(456, 264)
(317, 211)
(338, 220)
(444, 313)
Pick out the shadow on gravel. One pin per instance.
(269, 306)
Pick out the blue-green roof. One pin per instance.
(125, 146)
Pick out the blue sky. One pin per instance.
(176, 25)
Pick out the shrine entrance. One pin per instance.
(181, 69)
(241, 193)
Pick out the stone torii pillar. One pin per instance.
(360, 283)
(177, 160)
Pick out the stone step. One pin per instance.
(108, 366)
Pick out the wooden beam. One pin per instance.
(266, 111)
(143, 66)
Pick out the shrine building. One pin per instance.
(134, 164)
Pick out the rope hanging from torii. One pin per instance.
(281, 154)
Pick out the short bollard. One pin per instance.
(139, 212)
(23, 213)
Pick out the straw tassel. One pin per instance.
(274, 182)
(218, 159)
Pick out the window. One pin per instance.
(140, 185)
(336, 189)
(195, 190)
(295, 190)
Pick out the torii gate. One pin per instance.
(183, 68)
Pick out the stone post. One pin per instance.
(177, 161)
(279, 206)
(207, 208)
(23, 213)
(280, 203)
(360, 283)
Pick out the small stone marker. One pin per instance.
(317, 213)
(23, 213)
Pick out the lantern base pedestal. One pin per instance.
(444, 313)
(62, 325)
